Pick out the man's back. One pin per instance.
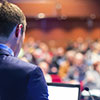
(20, 80)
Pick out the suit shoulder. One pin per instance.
(19, 64)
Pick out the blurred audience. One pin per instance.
(45, 68)
(78, 68)
(92, 79)
(78, 62)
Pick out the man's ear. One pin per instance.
(18, 30)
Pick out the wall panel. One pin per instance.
(62, 31)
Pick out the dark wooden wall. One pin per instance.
(53, 8)
(64, 20)
(63, 30)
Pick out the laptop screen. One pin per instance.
(59, 91)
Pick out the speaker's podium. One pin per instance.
(61, 91)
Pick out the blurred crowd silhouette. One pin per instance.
(78, 62)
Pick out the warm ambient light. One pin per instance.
(93, 16)
(41, 15)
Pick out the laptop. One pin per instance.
(61, 91)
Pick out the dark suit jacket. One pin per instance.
(20, 80)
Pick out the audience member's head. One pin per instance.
(96, 66)
(60, 51)
(44, 47)
(44, 66)
(79, 59)
(70, 56)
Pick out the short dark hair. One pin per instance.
(10, 16)
(95, 65)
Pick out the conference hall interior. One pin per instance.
(63, 39)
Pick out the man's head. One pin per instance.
(12, 25)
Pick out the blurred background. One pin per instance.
(63, 38)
